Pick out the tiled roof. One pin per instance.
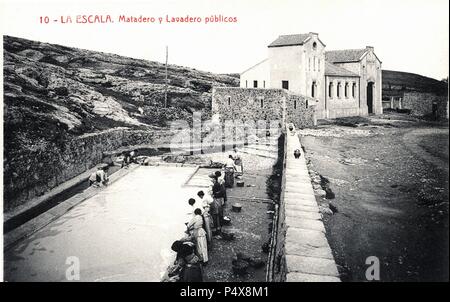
(286, 40)
(334, 70)
(346, 55)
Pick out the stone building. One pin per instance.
(342, 82)
(426, 104)
(271, 105)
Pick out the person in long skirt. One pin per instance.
(187, 265)
(206, 201)
(195, 227)
(230, 168)
(193, 271)
(238, 163)
(219, 194)
(215, 211)
(207, 220)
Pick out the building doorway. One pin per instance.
(369, 97)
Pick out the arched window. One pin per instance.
(346, 90)
(338, 91)
(330, 90)
(354, 90)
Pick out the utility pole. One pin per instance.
(165, 85)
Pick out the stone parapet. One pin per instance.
(303, 253)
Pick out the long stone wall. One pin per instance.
(253, 104)
(421, 104)
(302, 253)
(30, 175)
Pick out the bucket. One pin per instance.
(237, 207)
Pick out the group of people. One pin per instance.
(128, 158)
(100, 177)
(205, 223)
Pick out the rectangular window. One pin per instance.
(354, 90)
(264, 84)
(295, 104)
(346, 90)
(255, 84)
(261, 101)
(285, 85)
(246, 84)
(318, 66)
(229, 100)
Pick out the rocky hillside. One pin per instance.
(51, 91)
(54, 94)
(397, 82)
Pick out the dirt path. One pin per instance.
(390, 202)
(411, 138)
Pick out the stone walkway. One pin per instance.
(308, 255)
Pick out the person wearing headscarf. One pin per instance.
(205, 202)
(187, 265)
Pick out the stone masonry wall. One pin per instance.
(302, 252)
(30, 175)
(255, 104)
(421, 104)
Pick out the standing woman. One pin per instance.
(230, 168)
(238, 162)
(206, 201)
(215, 206)
(195, 227)
(219, 193)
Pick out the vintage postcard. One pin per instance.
(225, 141)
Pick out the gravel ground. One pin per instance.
(436, 145)
(391, 203)
(250, 226)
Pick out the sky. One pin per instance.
(408, 35)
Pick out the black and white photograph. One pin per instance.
(230, 141)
